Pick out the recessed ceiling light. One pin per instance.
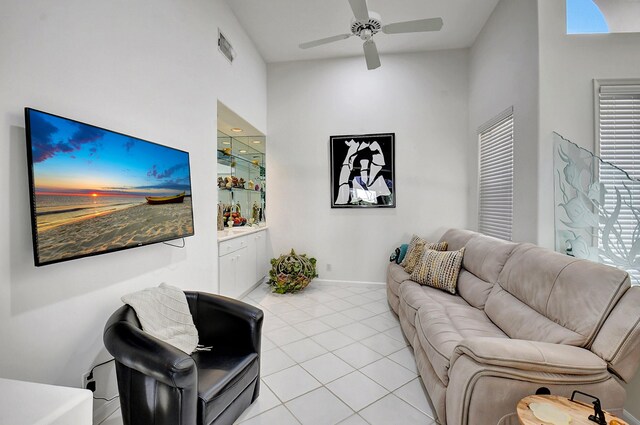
(257, 142)
(236, 130)
(243, 151)
(226, 143)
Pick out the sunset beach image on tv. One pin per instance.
(95, 190)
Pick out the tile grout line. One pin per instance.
(382, 315)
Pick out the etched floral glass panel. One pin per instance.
(599, 221)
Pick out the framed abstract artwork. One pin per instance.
(362, 171)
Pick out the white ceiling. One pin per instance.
(278, 26)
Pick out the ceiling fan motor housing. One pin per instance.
(366, 29)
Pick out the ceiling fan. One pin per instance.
(366, 24)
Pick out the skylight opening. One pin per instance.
(584, 17)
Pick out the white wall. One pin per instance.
(568, 65)
(503, 72)
(422, 98)
(148, 68)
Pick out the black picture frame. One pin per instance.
(363, 171)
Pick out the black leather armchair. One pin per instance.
(162, 385)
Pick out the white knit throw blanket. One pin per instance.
(164, 313)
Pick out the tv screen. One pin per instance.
(95, 191)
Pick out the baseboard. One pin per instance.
(631, 420)
(345, 282)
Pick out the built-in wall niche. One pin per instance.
(241, 177)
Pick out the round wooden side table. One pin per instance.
(578, 411)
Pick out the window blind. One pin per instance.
(495, 203)
(619, 144)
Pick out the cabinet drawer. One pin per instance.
(232, 245)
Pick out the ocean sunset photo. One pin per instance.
(94, 190)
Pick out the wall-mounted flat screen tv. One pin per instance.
(95, 191)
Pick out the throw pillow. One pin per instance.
(403, 252)
(413, 255)
(164, 314)
(411, 247)
(439, 269)
(393, 258)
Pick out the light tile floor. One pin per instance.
(333, 354)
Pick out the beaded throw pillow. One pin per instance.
(439, 269)
(413, 257)
(411, 247)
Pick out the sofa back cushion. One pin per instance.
(484, 258)
(545, 296)
(457, 238)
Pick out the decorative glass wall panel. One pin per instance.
(596, 220)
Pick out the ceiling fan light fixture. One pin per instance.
(366, 24)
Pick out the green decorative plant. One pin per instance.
(291, 272)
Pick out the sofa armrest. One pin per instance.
(148, 355)
(226, 323)
(530, 355)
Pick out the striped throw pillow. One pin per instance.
(413, 257)
(412, 246)
(439, 269)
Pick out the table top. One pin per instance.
(27, 403)
(578, 411)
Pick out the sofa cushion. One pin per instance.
(439, 269)
(457, 238)
(441, 328)
(413, 296)
(546, 296)
(485, 256)
(474, 290)
(222, 377)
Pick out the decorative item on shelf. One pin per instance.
(255, 215)
(241, 183)
(221, 182)
(256, 162)
(257, 187)
(234, 181)
(220, 216)
(227, 151)
(251, 184)
(233, 163)
(232, 214)
(291, 272)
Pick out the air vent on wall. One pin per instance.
(225, 47)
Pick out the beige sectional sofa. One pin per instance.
(524, 317)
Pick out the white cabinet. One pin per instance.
(262, 261)
(242, 263)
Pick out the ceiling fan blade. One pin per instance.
(420, 25)
(360, 10)
(322, 41)
(371, 54)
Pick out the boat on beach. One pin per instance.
(158, 200)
